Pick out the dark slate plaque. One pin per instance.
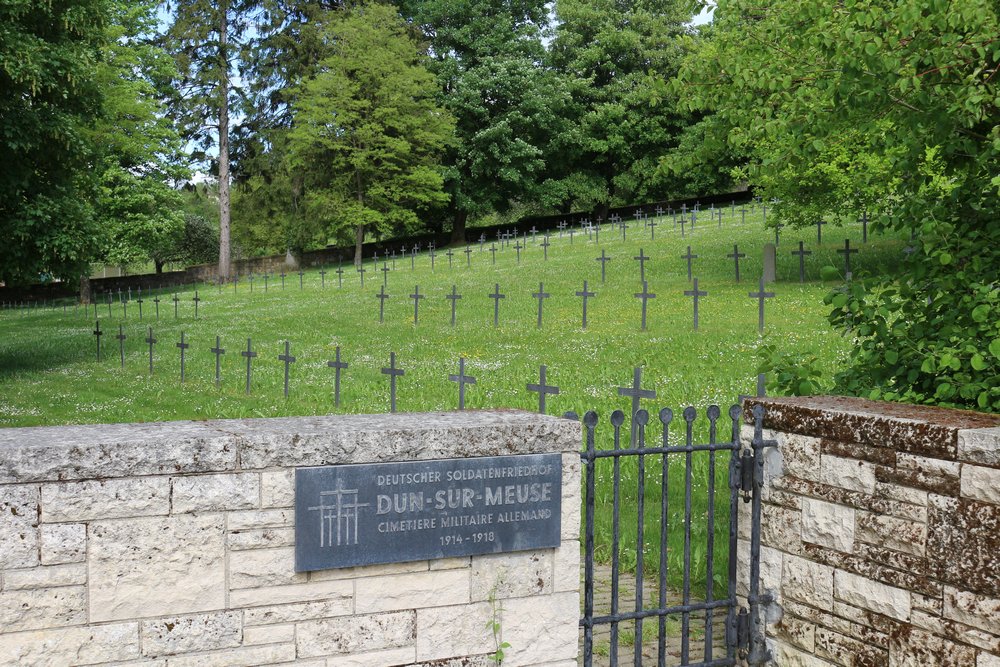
(364, 514)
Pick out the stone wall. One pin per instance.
(171, 545)
(881, 534)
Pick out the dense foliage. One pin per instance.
(891, 110)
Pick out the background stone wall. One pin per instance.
(172, 545)
(880, 534)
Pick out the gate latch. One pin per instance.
(743, 630)
(748, 469)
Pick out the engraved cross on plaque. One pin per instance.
(338, 522)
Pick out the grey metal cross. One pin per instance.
(496, 296)
(636, 392)
(604, 259)
(777, 233)
(385, 273)
(182, 346)
(340, 276)
(493, 249)
(249, 354)
(416, 296)
(545, 246)
(468, 256)
(517, 249)
(282, 274)
(735, 255)
(413, 258)
(571, 231)
(176, 299)
(696, 293)
(97, 334)
(541, 295)
(322, 277)
(760, 295)
(266, 276)
(585, 294)
(196, 299)
(847, 251)
(682, 223)
(121, 344)
(802, 252)
(645, 295)
(156, 301)
(218, 351)
(139, 303)
(542, 388)
(533, 232)
(124, 303)
(151, 341)
(450, 254)
(819, 230)
(381, 296)
(462, 379)
(642, 259)
(338, 365)
(432, 258)
(689, 257)
(250, 278)
(288, 359)
(453, 297)
(652, 225)
(393, 373)
(362, 270)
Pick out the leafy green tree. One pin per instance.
(48, 99)
(137, 207)
(617, 54)
(367, 133)
(890, 109)
(510, 110)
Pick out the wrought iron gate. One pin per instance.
(742, 640)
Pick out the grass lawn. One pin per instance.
(49, 375)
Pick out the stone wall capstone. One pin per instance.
(172, 545)
(880, 535)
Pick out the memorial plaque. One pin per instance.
(362, 514)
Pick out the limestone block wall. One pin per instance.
(880, 534)
(171, 545)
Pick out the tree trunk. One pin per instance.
(224, 257)
(359, 245)
(458, 227)
(159, 266)
(84, 289)
(360, 239)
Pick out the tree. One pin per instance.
(367, 133)
(888, 109)
(201, 41)
(617, 54)
(137, 207)
(48, 98)
(509, 109)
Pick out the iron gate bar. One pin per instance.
(731, 639)
(743, 636)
